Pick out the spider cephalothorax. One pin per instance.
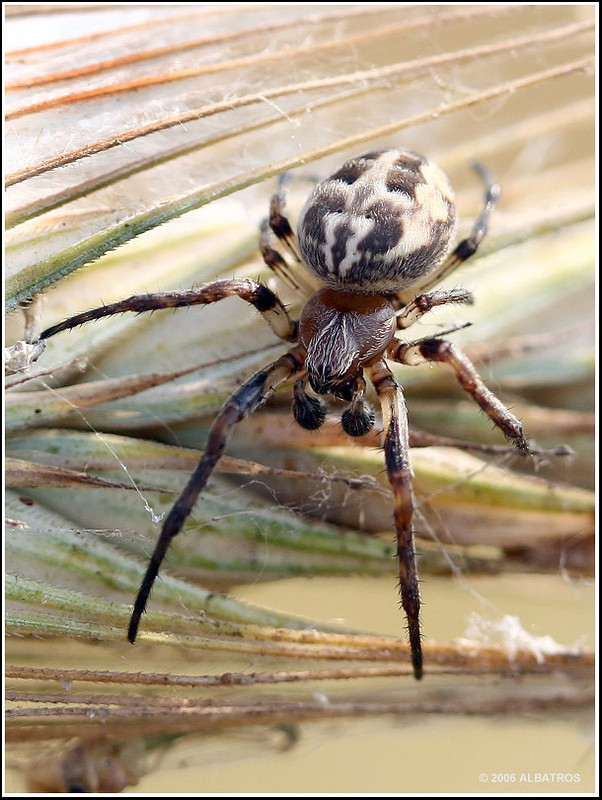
(377, 234)
(342, 332)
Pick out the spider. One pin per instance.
(377, 234)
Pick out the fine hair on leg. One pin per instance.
(263, 299)
(397, 449)
(245, 400)
(445, 352)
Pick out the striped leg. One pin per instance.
(468, 246)
(464, 370)
(424, 303)
(247, 399)
(258, 295)
(274, 260)
(277, 224)
(278, 220)
(396, 447)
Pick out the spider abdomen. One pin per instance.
(380, 223)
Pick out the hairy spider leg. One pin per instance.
(275, 261)
(243, 402)
(424, 303)
(278, 224)
(467, 247)
(250, 396)
(427, 350)
(278, 221)
(255, 293)
(396, 449)
(409, 353)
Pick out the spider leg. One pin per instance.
(247, 399)
(278, 220)
(396, 448)
(424, 303)
(427, 350)
(274, 260)
(278, 224)
(258, 295)
(468, 246)
(420, 438)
